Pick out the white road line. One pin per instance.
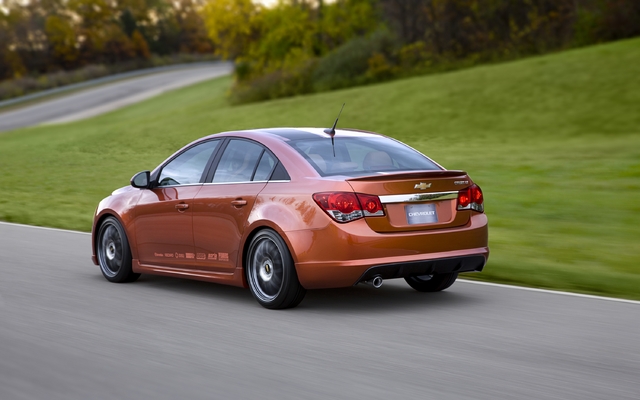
(586, 296)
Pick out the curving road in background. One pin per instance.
(67, 333)
(107, 97)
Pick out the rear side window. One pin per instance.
(242, 160)
(187, 168)
(357, 156)
(265, 166)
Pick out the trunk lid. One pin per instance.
(415, 201)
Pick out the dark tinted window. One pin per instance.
(279, 173)
(238, 161)
(188, 167)
(360, 155)
(265, 166)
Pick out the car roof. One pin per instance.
(276, 139)
(287, 134)
(311, 133)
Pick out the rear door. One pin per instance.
(222, 207)
(416, 200)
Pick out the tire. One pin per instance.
(271, 274)
(114, 253)
(431, 283)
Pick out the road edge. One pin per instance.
(473, 282)
(103, 80)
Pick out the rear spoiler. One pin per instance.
(411, 175)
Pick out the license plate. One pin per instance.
(421, 213)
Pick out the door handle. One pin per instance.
(238, 203)
(182, 206)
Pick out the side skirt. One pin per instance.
(234, 278)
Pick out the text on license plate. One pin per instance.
(421, 213)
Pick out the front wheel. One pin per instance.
(114, 254)
(271, 273)
(431, 283)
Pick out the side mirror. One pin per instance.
(141, 180)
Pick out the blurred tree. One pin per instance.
(140, 46)
(285, 30)
(620, 19)
(345, 19)
(408, 18)
(28, 40)
(193, 33)
(461, 28)
(62, 38)
(286, 35)
(232, 25)
(96, 28)
(128, 22)
(117, 46)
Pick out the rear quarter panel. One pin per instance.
(288, 208)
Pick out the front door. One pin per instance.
(164, 225)
(164, 214)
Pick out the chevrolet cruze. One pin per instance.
(284, 210)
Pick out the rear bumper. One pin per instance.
(342, 255)
(474, 263)
(343, 274)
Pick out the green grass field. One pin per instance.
(554, 142)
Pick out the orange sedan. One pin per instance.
(284, 210)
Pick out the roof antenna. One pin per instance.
(332, 132)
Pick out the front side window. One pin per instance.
(357, 156)
(239, 162)
(189, 166)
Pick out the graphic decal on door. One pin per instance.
(197, 256)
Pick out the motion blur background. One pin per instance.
(291, 47)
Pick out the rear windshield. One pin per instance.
(358, 156)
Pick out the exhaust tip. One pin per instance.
(376, 282)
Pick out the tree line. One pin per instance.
(301, 46)
(40, 36)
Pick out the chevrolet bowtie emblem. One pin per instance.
(422, 186)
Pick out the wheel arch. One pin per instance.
(99, 220)
(253, 230)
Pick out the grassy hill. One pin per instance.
(554, 142)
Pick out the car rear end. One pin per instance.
(388, 222)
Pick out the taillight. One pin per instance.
(464, 199)
(348, 206)
(371, 205)
(471, 199)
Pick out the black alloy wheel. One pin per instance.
(114, 253)
(271, 273)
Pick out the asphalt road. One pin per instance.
(108, 97)
(67, 333)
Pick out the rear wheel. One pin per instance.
(114, 254)
(431, 283)
(271, 273)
